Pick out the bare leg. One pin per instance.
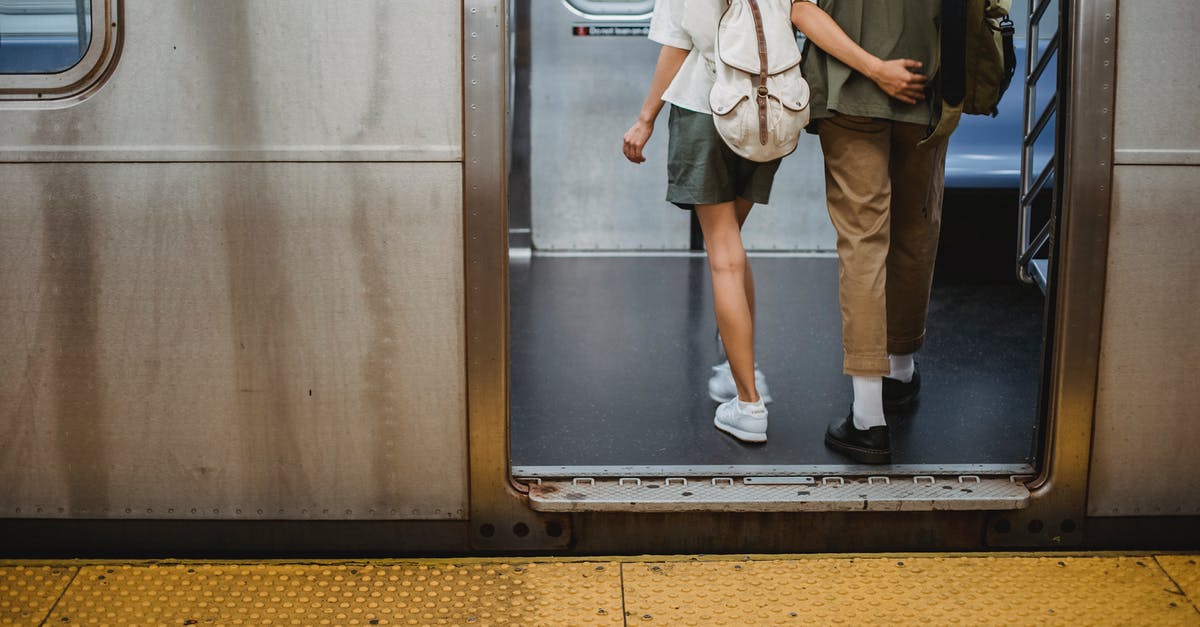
(742, 207)
(727, 264)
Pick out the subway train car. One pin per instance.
(285, 277)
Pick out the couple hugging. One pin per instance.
(867, 69)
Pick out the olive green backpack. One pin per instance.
(977, 61)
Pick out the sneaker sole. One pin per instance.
(745, 436)
(857, 453)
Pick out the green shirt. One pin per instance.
(888, 29)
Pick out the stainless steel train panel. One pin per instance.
(232, 341)
(1144, 459)
(241, 340)
(266, 80)
(1157, 83)
(586, 91)
(1146, 434)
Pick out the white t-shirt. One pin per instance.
(690, 25)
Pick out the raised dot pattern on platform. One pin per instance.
(28, 592)
(942, 591)
(1184, 570)
(345, 594)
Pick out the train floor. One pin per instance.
(974, 589)
(611, 357)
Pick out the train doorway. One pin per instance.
(612, 332)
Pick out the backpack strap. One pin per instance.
(952, 74)
(953, 51)
(762, 71)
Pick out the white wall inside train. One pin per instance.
(242, 295)
(1147, 429)
(586, 92)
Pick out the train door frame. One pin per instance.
(500, 518)
(1079, 263)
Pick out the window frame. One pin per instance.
(78, 81)
(630, 11)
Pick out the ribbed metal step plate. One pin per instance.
(777, 494)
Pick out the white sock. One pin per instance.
(902, 367)
(757, 407)
(868, 402)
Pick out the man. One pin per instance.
(884, 194)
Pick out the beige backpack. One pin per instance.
(760, 99)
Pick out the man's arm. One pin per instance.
(894, 77)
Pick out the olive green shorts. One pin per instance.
(702, 170)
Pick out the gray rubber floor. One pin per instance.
(611, 355)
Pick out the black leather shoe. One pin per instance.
(872, 446)
(898, 396)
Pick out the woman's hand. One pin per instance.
(897, 79)
(635, 140)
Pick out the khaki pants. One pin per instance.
(885, 200)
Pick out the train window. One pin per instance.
(611, 9)
(43, 36)
(53, 50)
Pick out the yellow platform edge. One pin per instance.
(1159, 588)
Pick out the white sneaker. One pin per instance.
(743, 425)
(722, 388)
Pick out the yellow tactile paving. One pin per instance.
(1184, 570)
(921, 590)
(345, 594)
(28, 592)
(677, 590)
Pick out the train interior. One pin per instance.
(612, 331)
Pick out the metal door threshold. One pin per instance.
(778, 494)
(776, 470)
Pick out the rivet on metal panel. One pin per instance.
(583, 481)
(838, 481)
(878, 481)
(716, 481)
(623, 481)
(672, 480)
(927, 480)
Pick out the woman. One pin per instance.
(704, 175)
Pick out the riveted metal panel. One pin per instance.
(500, 517)
(586, 91)
(232, 341)
(265, 80)
(1144, 451)
(1158, 83)
(1058, 498)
